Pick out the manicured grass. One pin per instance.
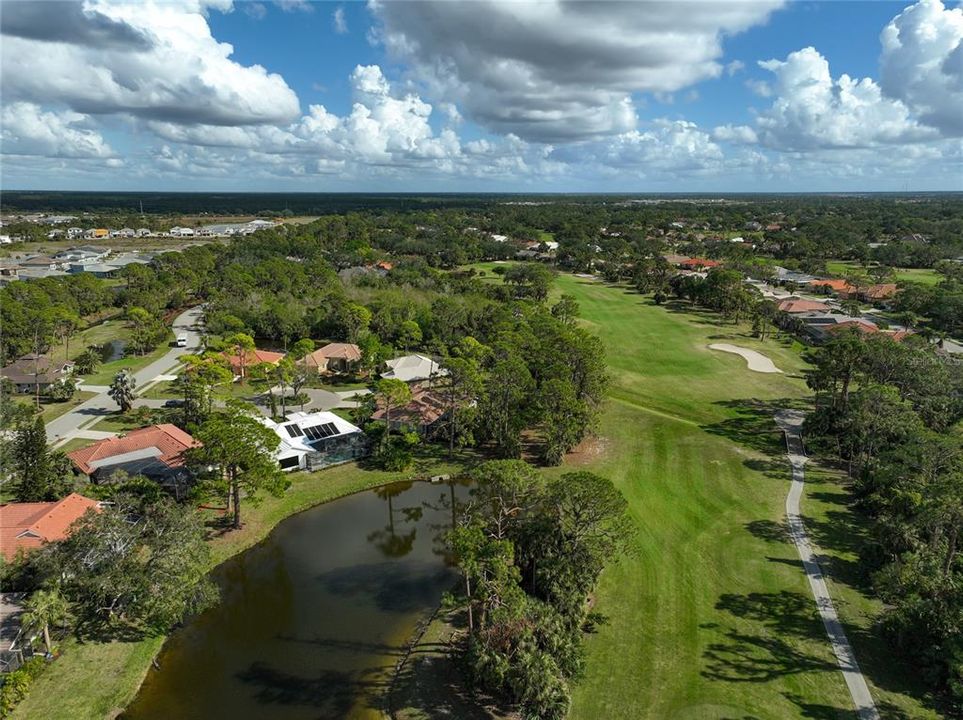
(710, 616)
(924, 276)
(113, 329)
(164, 390)
(97, 680)
(106, 372)
(74, 444)
(53, 410)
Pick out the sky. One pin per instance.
(482, 96)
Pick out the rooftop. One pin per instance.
(161, 443)
(29, 525)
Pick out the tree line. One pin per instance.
(890, 413)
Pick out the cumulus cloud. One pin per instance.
(676, 146)
(70, 22)
(739, 134)
(156, 60)
(28, 130)
(811, 110)
(922, 63)
(558, 71)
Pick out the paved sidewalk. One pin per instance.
(790, 422)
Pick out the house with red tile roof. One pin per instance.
(794, 305)
(699, 264)
(156, 452)
(27, 526)
(426, 409)
(333, 357)
(836, 285)
(877, 293)
(241, 365)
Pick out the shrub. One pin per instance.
(17, 684)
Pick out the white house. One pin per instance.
(314, 440)
(410, 368)
(181, 232)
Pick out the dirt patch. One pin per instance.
(589, 451)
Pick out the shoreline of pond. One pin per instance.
(262, 537)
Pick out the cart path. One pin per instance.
(790, 422)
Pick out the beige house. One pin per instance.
(333, 358)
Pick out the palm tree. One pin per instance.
(43, 609)
(122, 389)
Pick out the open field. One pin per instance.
(711, 616)
(96, 680)
(924, 276)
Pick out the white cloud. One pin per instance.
(739, 134)
(294, 5)
(559, 71)
(922, 63)
(675, 146)
(760, 88)
(28, 130)
(170, 68)
(255, 10)
(338, 19)
(735, 66)
(812, 110)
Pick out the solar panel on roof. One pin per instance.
(319, 432)
(293, 430)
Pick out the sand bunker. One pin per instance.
(757, 361)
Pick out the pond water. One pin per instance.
(113, 350)
(313, 619)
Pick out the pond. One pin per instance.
(312, 620)
(113, 350)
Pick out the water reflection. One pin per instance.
(313, 619)
(112, 350)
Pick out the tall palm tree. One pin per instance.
(43, 609)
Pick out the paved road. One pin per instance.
(790, 421)
(187, 323)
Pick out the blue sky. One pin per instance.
(486, 96)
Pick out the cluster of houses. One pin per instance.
(98, 261)
(74, 232)
(307, 440)
(812, 307)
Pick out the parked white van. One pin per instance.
(182, 341)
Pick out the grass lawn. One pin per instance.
(52, 410)
(96, 680)
(924, 276)
(163, 390)
(711, 615)
(106, 372)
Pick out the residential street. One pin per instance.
(64, 427)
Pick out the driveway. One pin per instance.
(187, 323)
